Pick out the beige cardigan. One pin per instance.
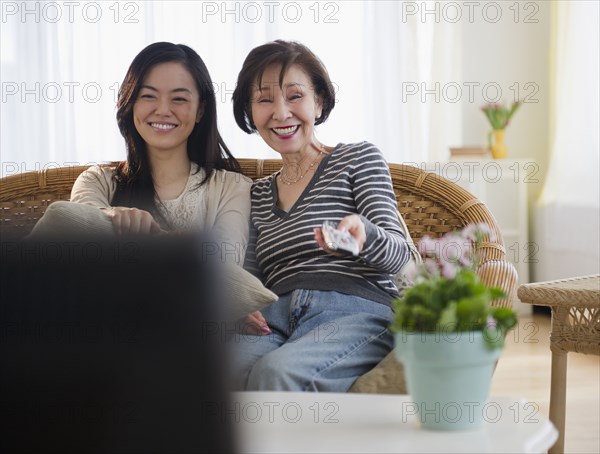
(221, 204)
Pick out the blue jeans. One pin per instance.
(320, 341)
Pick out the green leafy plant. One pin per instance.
(447, 295)
(498, 115)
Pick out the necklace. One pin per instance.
(284, 175)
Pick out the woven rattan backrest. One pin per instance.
(24, 197)
(430, 204)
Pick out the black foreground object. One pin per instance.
(112, 345)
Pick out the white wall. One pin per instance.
(513, 54)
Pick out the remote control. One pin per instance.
(338, 240)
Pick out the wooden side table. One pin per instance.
(575, 307)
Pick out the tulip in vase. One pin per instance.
(499, 118)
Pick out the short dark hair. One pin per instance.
(286, 54)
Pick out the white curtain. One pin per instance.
(62, 63)
(568, 212)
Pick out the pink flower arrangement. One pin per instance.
(447, 294)
(445, 256)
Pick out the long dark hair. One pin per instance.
(205, 146)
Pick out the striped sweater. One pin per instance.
(282, 252)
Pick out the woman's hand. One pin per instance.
(132, 221)
(254, 323)
(355, 227)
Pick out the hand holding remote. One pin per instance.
(348, 236)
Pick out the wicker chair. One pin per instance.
(430, 204)
(575, 305)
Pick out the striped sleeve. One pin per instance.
(250, 263)
(386, 248)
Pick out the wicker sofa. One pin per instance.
(430, 205)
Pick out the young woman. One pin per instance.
(179, 174)
(329, 325)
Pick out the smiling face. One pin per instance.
(285, 116)
(167, 108)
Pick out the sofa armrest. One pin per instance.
(503, 274)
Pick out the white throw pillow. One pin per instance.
(245, 291)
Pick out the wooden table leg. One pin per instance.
(558, 394)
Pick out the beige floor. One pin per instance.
(524, 371)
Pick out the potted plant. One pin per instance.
(447, 334)
(499, 118)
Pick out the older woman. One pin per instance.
(329, 325)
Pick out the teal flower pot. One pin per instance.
(448, 376)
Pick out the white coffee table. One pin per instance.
(289, 422)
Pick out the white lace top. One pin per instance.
(184, 212)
